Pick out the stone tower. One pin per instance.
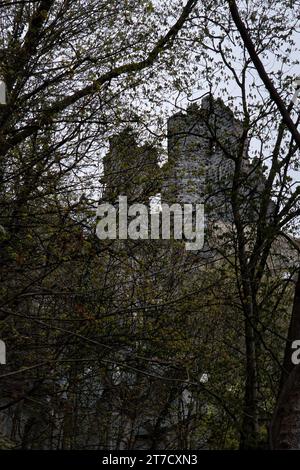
(130, 170)
(202, 145)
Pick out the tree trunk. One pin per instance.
(293, 334)
(285, 425)
(249, 431)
